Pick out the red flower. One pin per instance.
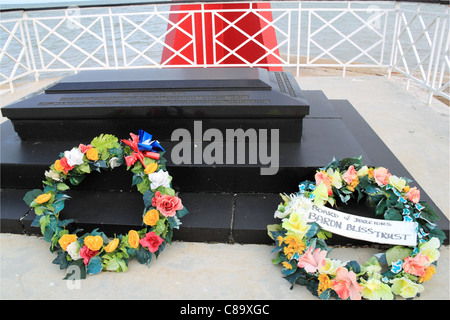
(167, 205)
(151, 241)
(83, 148)
(87, 254)
(65, 164)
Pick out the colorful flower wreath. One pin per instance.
(94, 252)
(302, 250)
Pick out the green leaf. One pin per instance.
(397, 253)
(104, 142)
(95, 265)
(76, 271)
(144, 256)
(62, 187)
(393, 214)
(273, 228)
(181, 213)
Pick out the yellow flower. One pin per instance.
(43, 198)
(58, 165)
(92, 154)
(151, 217)
(133, 239)
(295, 244)
(112, 245)
(94, 243)
(151, 168)
(296, 224)
(353, 184)
(67, 239)
(324, 283)
(280, 240)
(287, 265)
(428, 274)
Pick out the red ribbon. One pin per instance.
(137, 154)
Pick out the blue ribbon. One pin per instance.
(146, 143)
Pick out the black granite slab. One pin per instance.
(161, 101)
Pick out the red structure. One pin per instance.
(219, 36)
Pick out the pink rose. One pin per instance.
(350, 175)
(381, 176)
(416, 266)
(345, 284)
(413, 195)
(87, 254)
(167, 205)
(323, 177)
(151, 241)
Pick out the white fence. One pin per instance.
(410, 39)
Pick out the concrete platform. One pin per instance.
(416, 133)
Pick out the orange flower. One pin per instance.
(43, 198)
(92, 154)
(112, 245)
(94, 243)
(133, 239)
(324, 283)
(151, 217)
(67, 239)
(428, 274)
(58, 165)
(151, 168)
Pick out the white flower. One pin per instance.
(73, 250)
(113, 163)
(53, 175)
(158, 179)
(74, 157)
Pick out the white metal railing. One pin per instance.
(410, 39)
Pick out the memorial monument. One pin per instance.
(221, 128)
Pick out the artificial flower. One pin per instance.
(94, 243)
(151, 168)
(43, 198)
(151, 217)
(74, 157)
(416, 266)
(54, 175)
(381, 176)
(166, 205)
(133, 239)
(322, 177)
(112, 245)
(73, 250)
(430, 249)
(114, 162)
(296, 223)
(67, 239)
(350, 175)
(345, 284)
(294, 245)
(330, 266)
(372, 268)
(92, 154)
(83, 148)
(324, 283)
(64, 164)
(286, 265)
(428, 274)
(298, 204)
(320, 195)
(312, 261)
(158, 179)
(397, 183)
(87, 254)
(151, 241)
(405, 287)
(58, 165)
(363, 171)
(374, 289)
(336, 180)
(413, 195)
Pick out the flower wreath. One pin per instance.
(94, 252)
(302, 250)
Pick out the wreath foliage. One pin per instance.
(303, 253)
(94, 252)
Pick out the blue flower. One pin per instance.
(397, 266)
(146, 143)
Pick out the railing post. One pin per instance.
(394, 40)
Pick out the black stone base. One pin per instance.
(227, 203)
